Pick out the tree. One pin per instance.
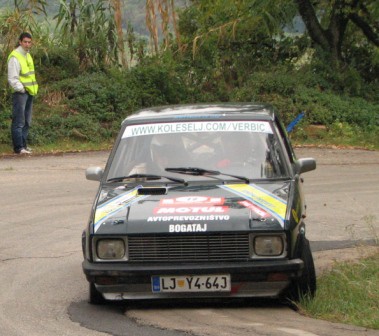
(20, 19)
(335, 16)
(166, 9)
(120, 36)
(89, 28)
(227, 19)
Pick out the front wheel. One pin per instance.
(305, 286)
(95, 297)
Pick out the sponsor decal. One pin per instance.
(188, 218)
(199, 126)
(193, 200)
(191, 205)
(260, 197)
(260, 212)
(116, 204)
(187, 228)
(191, 209)
(295, 215)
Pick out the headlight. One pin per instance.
(110, 249)
(268, 246)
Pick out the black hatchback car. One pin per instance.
(199, 201)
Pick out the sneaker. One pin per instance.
(24, 151)
(29, 149)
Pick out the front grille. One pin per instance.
(189, 248)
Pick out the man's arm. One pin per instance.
(14, 69)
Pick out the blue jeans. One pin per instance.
(21, 119)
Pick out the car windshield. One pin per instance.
(243, 148)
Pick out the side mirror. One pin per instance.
(94, 173)
(305, 165)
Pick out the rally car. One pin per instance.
(199, 201)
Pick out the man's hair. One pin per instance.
(23, 35)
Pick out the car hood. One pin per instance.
(213, 208)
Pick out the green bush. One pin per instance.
(326, 108)
(58, 64)
(5, 121)
(90, 94)
(90, 106)
(296, 91)
(94, 104)
(76, 127)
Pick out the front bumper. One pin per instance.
(119, 281)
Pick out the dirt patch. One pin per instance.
(325, 260)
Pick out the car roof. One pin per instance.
(255, 111)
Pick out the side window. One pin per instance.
(275, 160)
(284, 138)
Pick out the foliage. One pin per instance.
(108, 96)
(14, 22)
(91, 106)
(5, 117)
(228, 51)
(329, 24)
(89, 28)
(57, 64)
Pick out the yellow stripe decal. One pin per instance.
(114, 205)
(268, 201)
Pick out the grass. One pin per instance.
(61, 147)
(338, 134)
(83, 146)
(348, 294)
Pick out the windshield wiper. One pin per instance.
(146, 176)
(203, 172)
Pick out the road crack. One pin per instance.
(42, 257)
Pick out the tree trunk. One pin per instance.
(165, 21)
(174, 22)
(330, 39)
(120, 36)
(151, 23)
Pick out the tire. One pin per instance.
(95, 297)
(305, 286)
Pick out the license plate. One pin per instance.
(197, 283)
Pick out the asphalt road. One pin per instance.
(44, 206)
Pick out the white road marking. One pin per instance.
(296, 332)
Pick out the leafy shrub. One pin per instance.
(77, 127)
(90, 94)
(326, 108)
(90, 106)
(157, 82)
(5, 121)
(293, 92)
(58, 64)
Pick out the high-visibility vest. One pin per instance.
(27, 74)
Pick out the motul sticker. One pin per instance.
(192, 210)
(192, 200)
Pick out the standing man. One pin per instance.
(22, 79)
